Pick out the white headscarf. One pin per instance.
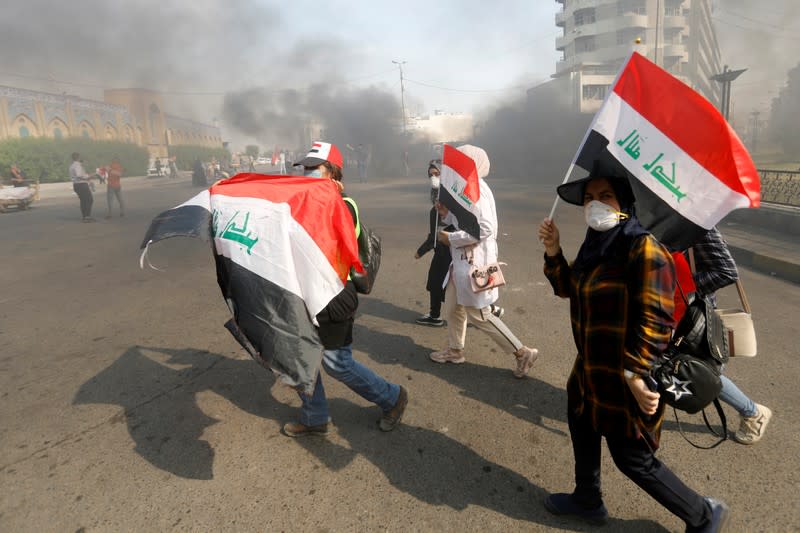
(479, 156)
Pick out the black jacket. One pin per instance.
(336, 320)
(441, 253)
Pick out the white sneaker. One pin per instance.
(448, 355)
(752, 428)
(525, 359)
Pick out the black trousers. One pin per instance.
(634, 458)
(85, 194)
(437, 297)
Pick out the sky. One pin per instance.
(460, 55)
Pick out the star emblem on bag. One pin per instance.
(679, 388)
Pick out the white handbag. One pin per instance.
(739, 323)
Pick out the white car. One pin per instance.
(262, 161)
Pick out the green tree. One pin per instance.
(784, 126)
(251, 150)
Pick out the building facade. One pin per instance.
(127, 115)
(442, 127)
(598, 35)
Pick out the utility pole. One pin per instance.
(725, 78)
(402, 93)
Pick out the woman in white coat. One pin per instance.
(461, 304)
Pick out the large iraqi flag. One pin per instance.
(459, 189)
(690, 167)
(283, 248)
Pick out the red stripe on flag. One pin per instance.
(692, 123)
(315, 204)
(464, 167)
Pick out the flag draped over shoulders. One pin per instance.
(283, 247)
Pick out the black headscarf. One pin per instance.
(600, 245)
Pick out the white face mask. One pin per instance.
(313, 173)
(601, 217)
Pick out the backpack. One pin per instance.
(369, 253)
(687, 374)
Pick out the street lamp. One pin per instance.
(725, 78)
(402, 91)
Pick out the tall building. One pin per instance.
(598, 35)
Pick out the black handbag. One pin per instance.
(687, 374)
(686, 382)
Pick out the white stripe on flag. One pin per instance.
(200, 199)
(663, 166)
(264, 238)
(455, 184)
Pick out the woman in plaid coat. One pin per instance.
(621, 288)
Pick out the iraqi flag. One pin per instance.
(283, 248)
(459, 189)
(690, 167)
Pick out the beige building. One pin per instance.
(442, 127)
(598, 35)
(128, 115)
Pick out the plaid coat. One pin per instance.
(621, 313)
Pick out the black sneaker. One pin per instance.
(428, 320)
(498, 311)
(564, 504)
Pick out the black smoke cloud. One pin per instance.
(151, 43)
(347, 116)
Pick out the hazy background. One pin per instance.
(259, 67)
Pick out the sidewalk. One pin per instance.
(770, 252)
(63, 189)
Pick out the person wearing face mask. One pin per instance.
(324, 161)
(620, 288)
(462, 305)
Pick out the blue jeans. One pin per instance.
(734, 397)
(339, 364)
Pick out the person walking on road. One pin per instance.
(173, 167)
(324, 161)
(714, 268)
(114, 187)
(461, 303)
(80, 184)
(621, 288)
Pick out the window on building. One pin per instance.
(584, 44)
(24, 132)
(638, 7)
(594, 92)
(584, 16)
(85, 134)
(57, 133)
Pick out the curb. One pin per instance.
(765, 264)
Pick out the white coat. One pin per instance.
(484, 253)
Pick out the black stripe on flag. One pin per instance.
(183, 221)
(271, 323)
(658, 217)
(467, 221)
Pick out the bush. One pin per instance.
(185, 155)
(49, 159)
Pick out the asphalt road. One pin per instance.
(127, 407)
